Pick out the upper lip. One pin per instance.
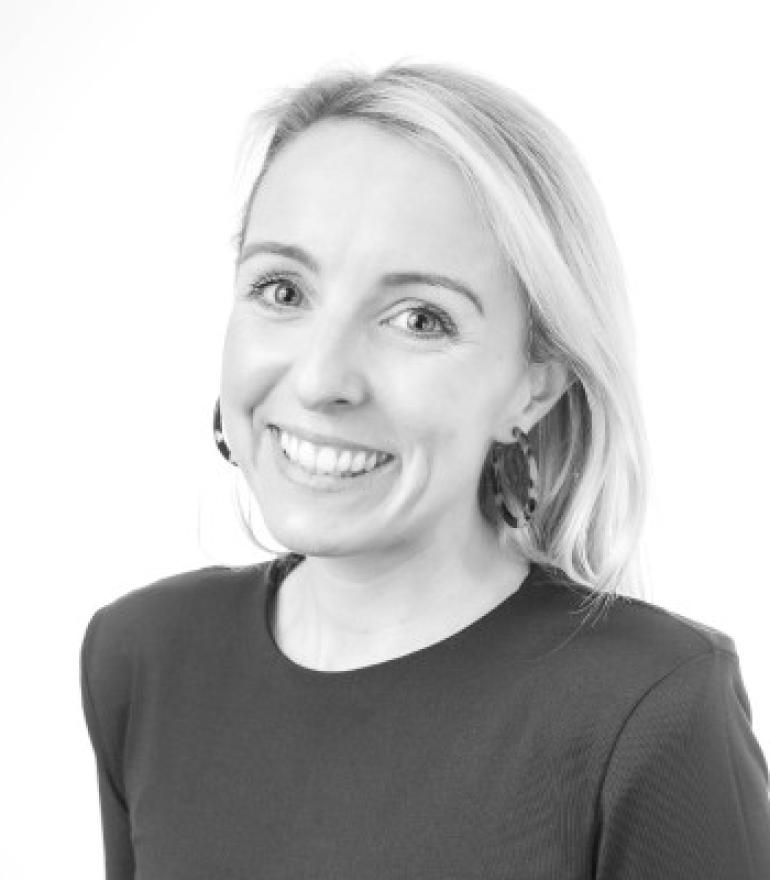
(326, 439)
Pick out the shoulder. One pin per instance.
(643, 683)
(645, 621)
(151, 616)
(632, 623)
(625, 646)
(149, 627)
(681, 747)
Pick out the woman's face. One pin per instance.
(342, 339)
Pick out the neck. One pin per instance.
(344, 612)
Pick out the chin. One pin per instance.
(312, 539)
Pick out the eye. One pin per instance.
(439, 322)
(258, 287)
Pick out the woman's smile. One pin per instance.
(302, 464)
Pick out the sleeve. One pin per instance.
(104, 709)
(685, 793)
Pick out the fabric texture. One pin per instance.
(535, 744)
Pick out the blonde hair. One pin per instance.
(591, 447)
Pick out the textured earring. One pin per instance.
(219, 437)
(516, 463)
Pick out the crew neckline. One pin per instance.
(280, 567)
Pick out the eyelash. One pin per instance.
(256, 289)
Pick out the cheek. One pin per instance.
(452, 406)
(251, 359)
(439, 406)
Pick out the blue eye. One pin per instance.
(257, 288)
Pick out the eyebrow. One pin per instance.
(391, 279)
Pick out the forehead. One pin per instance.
(352, 182)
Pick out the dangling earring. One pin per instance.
(525, 475)
(219, 437)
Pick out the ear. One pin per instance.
(544, 384)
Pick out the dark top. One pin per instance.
(525, 746)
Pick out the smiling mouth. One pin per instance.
(319, 465)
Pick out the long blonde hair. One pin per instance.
(591, 447)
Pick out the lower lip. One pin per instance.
(328, 482)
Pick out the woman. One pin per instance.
(428, 384)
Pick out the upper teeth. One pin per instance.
(326, 459)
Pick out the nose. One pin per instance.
(328, 366)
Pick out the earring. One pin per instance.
(523, 471)
(219, 437)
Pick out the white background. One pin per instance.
(119, 128)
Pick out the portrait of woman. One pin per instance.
(429, 386)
